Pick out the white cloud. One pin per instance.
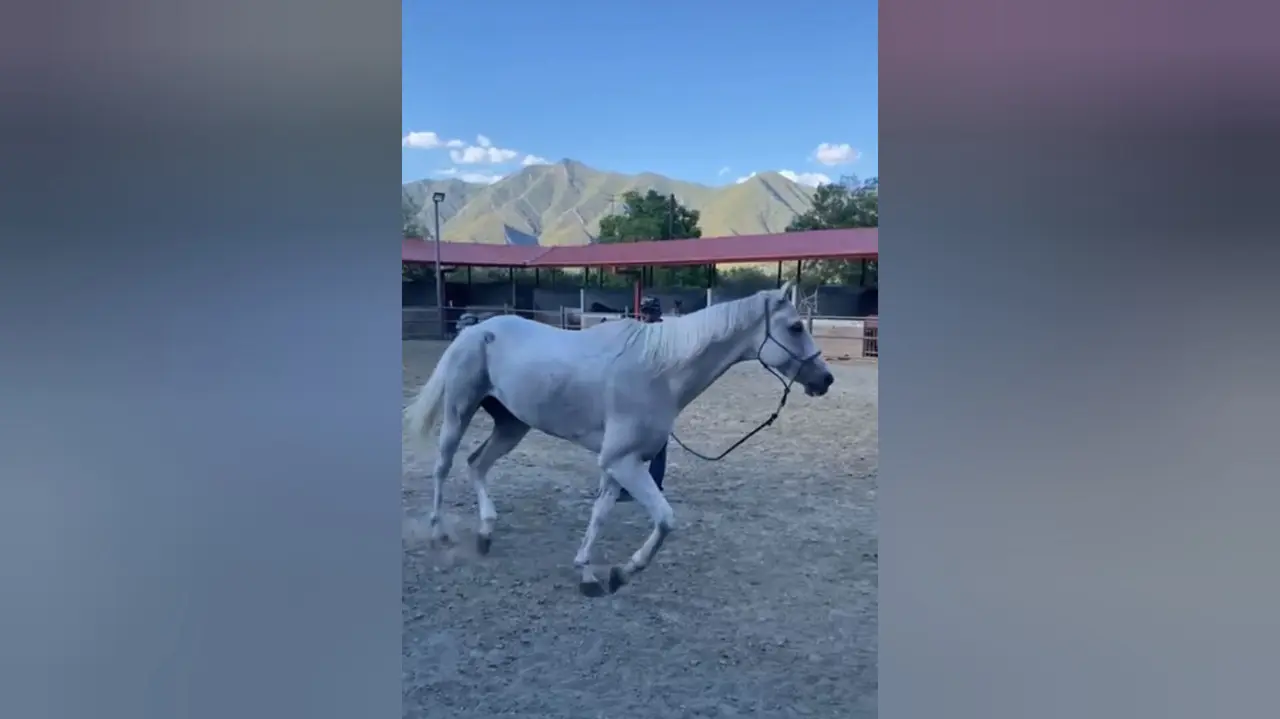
(484, 152)
(831, 155)
(809, 179)
(723, 171)
(483, 178)
(483, 155)
(424, 141)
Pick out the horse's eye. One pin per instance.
(797, 328)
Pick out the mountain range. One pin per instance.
(562, 204)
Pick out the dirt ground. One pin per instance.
(762, 603)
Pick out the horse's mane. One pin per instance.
(674, 340)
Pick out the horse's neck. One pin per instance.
(712, 357)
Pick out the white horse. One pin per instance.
(614, 389)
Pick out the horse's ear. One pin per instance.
(785, 290)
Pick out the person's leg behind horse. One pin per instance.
(658, 466)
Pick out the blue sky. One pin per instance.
(706, 91)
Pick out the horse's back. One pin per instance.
(532, 339)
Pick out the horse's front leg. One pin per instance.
(590, 585)
(634, 477)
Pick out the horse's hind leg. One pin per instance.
(454, 424)
(507, 433)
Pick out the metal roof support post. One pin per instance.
(442, 321)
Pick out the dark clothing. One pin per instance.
(650, 307)
(658, 466)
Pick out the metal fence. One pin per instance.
(839, 338)
(424, 322)
(846, 338)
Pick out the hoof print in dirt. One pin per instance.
(443, 541)
(591, 589)
(483, 544)
(616, 579)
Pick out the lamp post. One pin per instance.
(436, 199)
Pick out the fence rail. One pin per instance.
(424, 322)
(846, 338)
(839, 338)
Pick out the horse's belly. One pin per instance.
(565, 414)
(570, 420)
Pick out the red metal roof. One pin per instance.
(476, 254)
(863, 243)
(815, 244)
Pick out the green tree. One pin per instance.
(849, 203)
(411, 226)
(653, 216)
(650, 216)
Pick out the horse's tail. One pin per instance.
(423, 412)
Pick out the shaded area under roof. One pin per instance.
(862, 243)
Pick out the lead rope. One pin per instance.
(786, 391)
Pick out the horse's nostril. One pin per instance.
(828, 380)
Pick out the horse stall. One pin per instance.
(762, 603)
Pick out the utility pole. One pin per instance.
(436, 199)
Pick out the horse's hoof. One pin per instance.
(591, 589)
(483, 543)
(616, 579)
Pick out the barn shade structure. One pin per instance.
(845, 244)
(856, 244)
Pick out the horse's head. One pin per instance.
(787, 347)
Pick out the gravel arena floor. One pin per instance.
(762, 603)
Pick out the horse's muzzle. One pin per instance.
(820, 386)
